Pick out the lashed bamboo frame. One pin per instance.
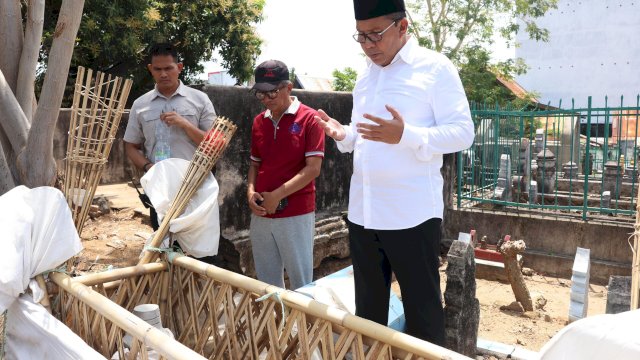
(98, 105)
(213, 311)
(103, 324)
(207, 154)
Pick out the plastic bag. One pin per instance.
(197, 229)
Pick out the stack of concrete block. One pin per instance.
(580, 285)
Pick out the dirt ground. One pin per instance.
(116, 239)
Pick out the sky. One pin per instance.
(312, 36)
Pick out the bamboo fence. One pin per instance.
(98, 104)
(207, 154)
(219, 315)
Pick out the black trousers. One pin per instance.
(412, 254)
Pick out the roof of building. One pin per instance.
(313, 83)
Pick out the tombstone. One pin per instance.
(546, 172)
(630, 173)
(539, 140)
(570, 170)
(533, 192)
(503, 188)
(586, 163)
(580, 285)
(610, 179)
(605, 200)
(618, 294)
(462, 309)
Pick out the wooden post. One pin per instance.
(510, 251)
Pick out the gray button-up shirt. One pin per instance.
(191, 104)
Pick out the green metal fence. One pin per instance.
(553, 159)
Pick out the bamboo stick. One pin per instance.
(138, 328)
(208, 152)
(119, 274)
(45, 299)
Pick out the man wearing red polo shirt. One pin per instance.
(287, 148)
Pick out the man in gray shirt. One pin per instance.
(187, 112)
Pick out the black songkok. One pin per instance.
(368, 9)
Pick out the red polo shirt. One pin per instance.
(282, 150)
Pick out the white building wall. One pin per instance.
(594, 50)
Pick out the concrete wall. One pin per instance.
(593, 50)
(237, 104)
(552, 242)
(241, 107)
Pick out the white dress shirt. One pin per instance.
(400, 186)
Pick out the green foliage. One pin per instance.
(115, 35)
(464, 29)
(344, 80)
(448, 26)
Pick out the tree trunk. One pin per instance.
(510, 251)
(29, 57)
(6, 178)
(11, 35)
(36, 163)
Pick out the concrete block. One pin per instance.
(504, 351)
(578, 310)
(581, 263)
(490, 270)
(464, 237)
(618, 294)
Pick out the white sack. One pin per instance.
(597, 337)
(38, 234)
(197, 230)
(33, 333)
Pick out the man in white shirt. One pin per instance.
(409, 108)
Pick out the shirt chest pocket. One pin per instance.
(190, 114)
(149, 118)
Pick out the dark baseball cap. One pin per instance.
(269, 75)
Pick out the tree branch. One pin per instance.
(435, 28)
(14, 124)
(11, 35)
(37, 157)
(29, 57)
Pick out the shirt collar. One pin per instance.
(292, 109)
(179, 91)
(406, 53)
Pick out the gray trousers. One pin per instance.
(283, 243)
